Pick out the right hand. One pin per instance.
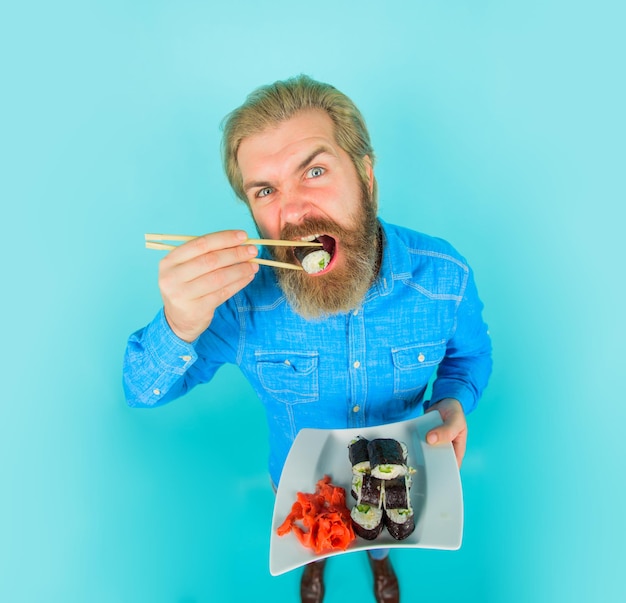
(198, 276)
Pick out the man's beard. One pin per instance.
(343, 288)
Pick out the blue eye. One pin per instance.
(315, 172)
(265, 191)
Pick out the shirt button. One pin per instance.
(185, 358)
(421, 357)
(357, 364)
(287, 363)
(355, 313)
(156, 392)
(356, 408)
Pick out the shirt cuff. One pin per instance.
(453, 390)
(167, 350)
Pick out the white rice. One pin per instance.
(315, 261)
(399, 516)
(389, 471)
(369, 519)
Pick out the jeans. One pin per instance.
(378, 554)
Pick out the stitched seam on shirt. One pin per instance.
(165, 366)
(440, 296)
(438, 254)
(426, 344)
(458, 303)
(463, 288)
(241, 343)
(360, 377)
(292, 421)
(265, 308)
(259, 354)
(427, 293)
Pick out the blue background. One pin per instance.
(498, 126)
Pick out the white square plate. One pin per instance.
(436, 494)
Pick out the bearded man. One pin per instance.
(353, 344)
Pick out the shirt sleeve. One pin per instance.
(155, 364)
(464, 372)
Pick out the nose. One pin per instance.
(294, 207)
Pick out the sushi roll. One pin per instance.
(312, 259)
(400, 523)
(357, 451)
(396, 494)
(387, 458)
(367, 489)
(357, 484)
(367, 521)
(371, 491)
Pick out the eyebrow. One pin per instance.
(318, 151)
(309, 158)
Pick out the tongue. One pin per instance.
(328, 243)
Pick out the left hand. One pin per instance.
(454, 428)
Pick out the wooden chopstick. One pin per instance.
(155, 245)
(281, 243)
(168, 237)
(264, 262)
(275, 264)
(267, 242)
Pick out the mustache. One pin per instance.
(311, 226)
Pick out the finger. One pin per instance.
(189, 318)
(207, 263)
(440, 435)
(459, 446)
(204, 244)
(222, 283)
(230, 286)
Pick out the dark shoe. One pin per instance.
(386, 587)
(312, 583)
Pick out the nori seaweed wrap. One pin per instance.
(387, 458)
(371, 491)
(357, 451)
(367, 521)
(400, 523)
(397, 493)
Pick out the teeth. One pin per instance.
(310, 237)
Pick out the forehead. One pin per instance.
(290, 137)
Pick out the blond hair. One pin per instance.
(274, 103)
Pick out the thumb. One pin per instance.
(432, 437)
(443, 434)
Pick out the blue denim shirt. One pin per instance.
(420, 322)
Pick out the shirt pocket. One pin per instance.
(413, 366)
(289, 377)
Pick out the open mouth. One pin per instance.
(315, 260)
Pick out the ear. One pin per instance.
(369, 171)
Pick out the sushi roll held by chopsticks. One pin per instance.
(317, 255)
